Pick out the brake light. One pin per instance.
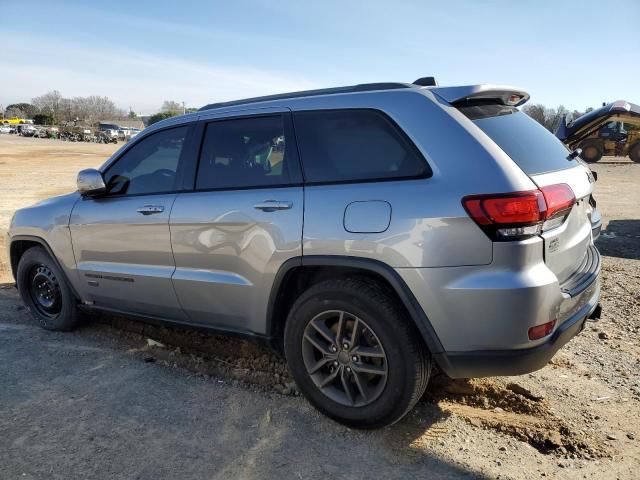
(517, 215)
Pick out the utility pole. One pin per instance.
(184, 110)
(2, 110)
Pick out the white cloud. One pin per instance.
(131, 78)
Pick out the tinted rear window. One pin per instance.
(529, 144)
(247, 153)
(355, 145)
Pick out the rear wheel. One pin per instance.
(634, 153)
(45, 291)
(354, 354)
(592, 151)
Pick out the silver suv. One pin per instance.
(371, 232)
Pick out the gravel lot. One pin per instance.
(106, 402)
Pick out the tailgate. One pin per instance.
(566, 248)
(546, 161)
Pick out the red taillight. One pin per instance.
(540, 331)
(519, 214)
(514, 208)
(559, 199)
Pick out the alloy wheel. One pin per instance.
(344, 358)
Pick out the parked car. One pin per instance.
(403, 226)
(110, 130)
(5, 129)
(133, 132)
(28, 130)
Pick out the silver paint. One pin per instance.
(210, 258)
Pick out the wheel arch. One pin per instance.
(21, 243)
(299, 273)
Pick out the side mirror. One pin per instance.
(90, 182)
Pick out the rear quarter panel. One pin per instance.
(428, 226)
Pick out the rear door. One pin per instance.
(545, 160)
(242, 220)
(121, 240)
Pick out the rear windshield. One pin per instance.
(529, 144)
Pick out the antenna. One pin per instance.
(426, 82)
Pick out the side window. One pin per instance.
(150, 166)
(247, 152)
(354, 145)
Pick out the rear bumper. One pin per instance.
(513, 362)
(482, 314)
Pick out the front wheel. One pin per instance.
(45, 291)
(354, 353)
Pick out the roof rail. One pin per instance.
(363, 87)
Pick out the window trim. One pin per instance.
(183, 162)
(428, 173)
(287, 127)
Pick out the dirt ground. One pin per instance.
(106, 401)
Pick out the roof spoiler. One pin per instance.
(501, 94)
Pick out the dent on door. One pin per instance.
(228, 246)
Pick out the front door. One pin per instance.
(241, 222)
(121, 240)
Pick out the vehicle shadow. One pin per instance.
(621, 239)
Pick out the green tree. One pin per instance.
(26, 109)
(43, 119)
(160, 116)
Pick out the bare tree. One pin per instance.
(85, 110)
(547, 117)
(14, 112)
(171, 106)
(535, 111)
(550, 117)
(49, 103)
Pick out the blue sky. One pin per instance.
(575, 53)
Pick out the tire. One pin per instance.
(45, 291)
(592, 151)
(399, 377)
(634, 153)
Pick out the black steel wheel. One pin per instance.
(45, 291)
(354, 353)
